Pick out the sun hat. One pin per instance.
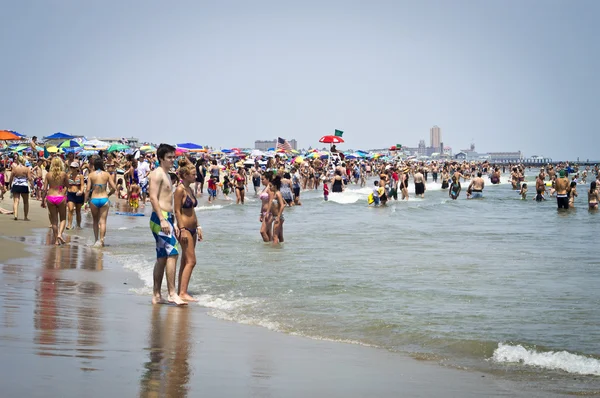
(74, 164)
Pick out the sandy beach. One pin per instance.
(70, 326)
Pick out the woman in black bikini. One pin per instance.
(75, 195)
(187, 222)
(240, 181)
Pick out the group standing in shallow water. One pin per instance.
(70, 185)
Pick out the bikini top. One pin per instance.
(264, 196)
(188, 204)
(76, 181)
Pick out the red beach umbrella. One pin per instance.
(331, 139)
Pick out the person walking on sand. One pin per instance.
(162, 226)
(20, 178)
(54, 197)
(97, 194)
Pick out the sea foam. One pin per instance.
(561, 360)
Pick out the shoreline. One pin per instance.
(86, 321)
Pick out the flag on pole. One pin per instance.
(339, 133)
(283, 144)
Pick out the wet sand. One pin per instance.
(70, 326)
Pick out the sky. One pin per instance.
(505, 75)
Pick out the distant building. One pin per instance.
(264, 145)
(461, 156)
(435, 137)
(505, 157)
(422, 149)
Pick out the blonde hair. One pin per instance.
(56, 167)
(185, 168)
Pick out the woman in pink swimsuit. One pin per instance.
(54, 196)
(266, 219)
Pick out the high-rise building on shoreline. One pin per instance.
(435, 137)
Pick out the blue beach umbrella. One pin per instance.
(190, 145)
(59, 136)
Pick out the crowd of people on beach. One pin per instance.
(68, 184)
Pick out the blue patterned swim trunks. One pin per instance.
(166, 244)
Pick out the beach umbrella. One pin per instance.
(190, 146)
(148, 148)
(19, 148)
(53, 149)
(117, 147)
(331, 139)
(59, 136)
(74, 149)
(95, 144)
(9, 135)
(257, 152)
(299, 159)
(180, 151)
(70, 144)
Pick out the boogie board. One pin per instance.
(124, 213)
(370, 199)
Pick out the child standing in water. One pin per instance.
(212, 189)
(226, 187)
(325, 190)
(523, 192)
(573, 194)
(376, 199)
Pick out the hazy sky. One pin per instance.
(506, 75)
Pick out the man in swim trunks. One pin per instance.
(477, 186)
(563, 187)
(419, 181)
(162, 226)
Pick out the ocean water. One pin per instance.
(497, 285)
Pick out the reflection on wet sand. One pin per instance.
(261, 370)
(63, 305)
(168, 370)
(12, 294)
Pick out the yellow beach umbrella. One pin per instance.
(53, 149)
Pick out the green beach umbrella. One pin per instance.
(20, 148)
(117, 147)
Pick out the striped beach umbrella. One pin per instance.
(70, 144)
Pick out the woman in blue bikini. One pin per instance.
(187, 223)
(97, 183)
